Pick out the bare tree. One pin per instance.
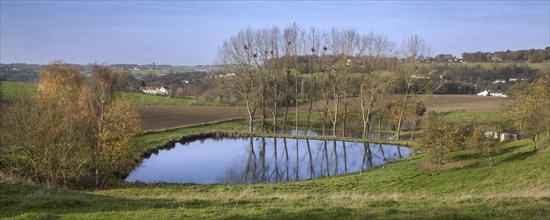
(239, 58)
(313, 43)
(415, 78)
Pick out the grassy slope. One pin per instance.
(516, 188)
(497, 118)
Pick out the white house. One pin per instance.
(484, 93)
(490, 93)
(155, 90)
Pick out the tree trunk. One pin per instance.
(345, 115)
(296, 100)
(311, 98)
(406, 99)
(335, 120)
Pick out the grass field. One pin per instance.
(11, 90)
(496, 118)
(467, 188)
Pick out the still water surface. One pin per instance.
(261, 160)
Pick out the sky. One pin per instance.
(189, 32)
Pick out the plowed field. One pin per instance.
(161, 117)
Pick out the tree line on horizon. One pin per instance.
(532, 56)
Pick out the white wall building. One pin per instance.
(155, 90)
(490, 93)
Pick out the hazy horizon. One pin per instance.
(189, 32)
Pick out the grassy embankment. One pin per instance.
(467, 187)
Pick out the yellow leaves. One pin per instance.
(60, 83)
(529, 104)
(53, 138)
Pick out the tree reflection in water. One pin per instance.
(262, 160)
(320, 160)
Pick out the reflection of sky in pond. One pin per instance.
(235, 161)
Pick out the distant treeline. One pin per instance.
(532, 55)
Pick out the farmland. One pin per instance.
(163, 117)
(158, 112)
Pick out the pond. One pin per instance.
(261, 160)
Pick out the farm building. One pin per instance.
(490, 93)
(155, 90)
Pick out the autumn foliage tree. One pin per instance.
(485, 145)
(111, 121)
(42, 136)
(440, 137)
(529, 107)
(53, 138)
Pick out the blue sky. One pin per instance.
(189, 32)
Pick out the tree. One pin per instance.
(111, 122)
(237, 56)
(313, 43)
(73, 129)
(486, 146)
(528, 107)
(415, 79)
(41, 138)
(439, 137)
(374, 86)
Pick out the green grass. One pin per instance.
(12, 90)
(516, 188)
(497, 118)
